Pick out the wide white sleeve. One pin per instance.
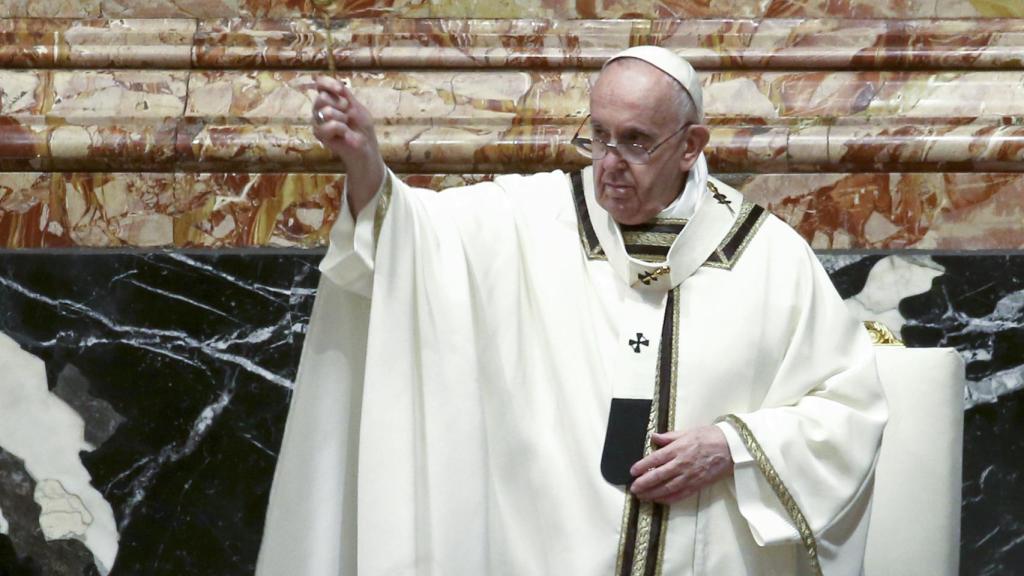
(764, 513)
(353, 242)
(805, 459)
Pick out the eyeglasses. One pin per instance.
(596, 149)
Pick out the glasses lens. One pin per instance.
(596, 149)
(584, 145)
(633, 154)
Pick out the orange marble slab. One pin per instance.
(89, 120)
(501, 121)
(709, 43)
(96, 43)
(951, 211)
(415, 43)
(571, 9)
(954, 211)
(214, 210)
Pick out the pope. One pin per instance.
(626, 370)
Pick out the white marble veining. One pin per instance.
(1005, 316)
(891, 280)
(47, 434)
(144, 472)
(165, 342)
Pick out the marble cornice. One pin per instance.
(500, 121)
(710, 43)
(566, 9)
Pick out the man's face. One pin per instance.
(634, 102)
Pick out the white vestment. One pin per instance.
(456, 426)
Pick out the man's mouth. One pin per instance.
(617, 190)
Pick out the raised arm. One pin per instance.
(345, 127)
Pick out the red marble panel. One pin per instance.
(32, 211)
(214, 210)
(954, 211)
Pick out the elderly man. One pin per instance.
(624, 371)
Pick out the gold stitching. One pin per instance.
(726, 263)
(382, 207)
(781, 492)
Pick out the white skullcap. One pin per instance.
(672, 64)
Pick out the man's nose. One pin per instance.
(612, 159)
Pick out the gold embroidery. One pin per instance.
(647, 277)
(725, 262)
(781, 492)
(382, 207)
(627, 510)
(643, 238)
(673, 382)
(583, 224)
(647, 509)
(881, 335)
(669, 222)
(643, 538)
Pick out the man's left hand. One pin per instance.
(684, 463)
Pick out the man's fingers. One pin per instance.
(338, 132)
(665, 438)
(652, 460)
(654, 476)
(329, 84)
(329, 115)
(673, 484)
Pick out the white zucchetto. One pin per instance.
(672, 64)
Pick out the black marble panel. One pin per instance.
(180, 366)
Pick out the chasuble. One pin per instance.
(451, 414)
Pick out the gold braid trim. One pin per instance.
(673, 384)
(627, 509)
(643, 526)
(727, 263)
(781, 492)
(382, 206)
(649, 238)
(643, 538)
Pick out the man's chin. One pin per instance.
(621, 214)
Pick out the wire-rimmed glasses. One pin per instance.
(596, 149)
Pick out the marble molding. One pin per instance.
(96, 43)
(173, 372)
(569, 9)
(956, 211)
(709, 43)
(500, 121)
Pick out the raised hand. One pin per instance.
(345, 127)
(683, 464)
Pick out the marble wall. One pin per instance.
(163, 205)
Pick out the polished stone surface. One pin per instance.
(950, 211)
(500, 9)
(179, 366)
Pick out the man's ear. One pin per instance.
(695, 139)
